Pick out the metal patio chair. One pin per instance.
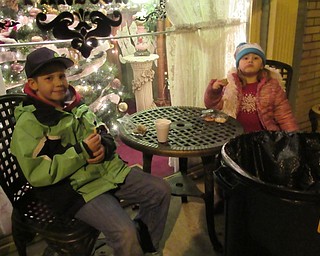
(31, 216)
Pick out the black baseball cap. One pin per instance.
(42, 56)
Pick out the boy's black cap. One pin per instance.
(42, 56)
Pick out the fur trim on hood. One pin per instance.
(231, 96)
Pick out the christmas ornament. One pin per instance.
(123, 107)
(16, 67)
(116, 83)
(114, 98)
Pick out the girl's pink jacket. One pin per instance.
(273, 107)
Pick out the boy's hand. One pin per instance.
(98, 156)
(219, 83)
(93, 141)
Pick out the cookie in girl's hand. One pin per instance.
(224, 81)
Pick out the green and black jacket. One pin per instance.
(48, 144)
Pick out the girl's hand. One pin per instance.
(219, 83)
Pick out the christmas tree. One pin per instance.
(94, 77)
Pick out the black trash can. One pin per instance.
(272, 193)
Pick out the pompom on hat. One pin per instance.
(43, 56)
(246, 48)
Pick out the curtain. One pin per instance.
(202, 44)
(201, 47)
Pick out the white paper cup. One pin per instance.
(162, 129)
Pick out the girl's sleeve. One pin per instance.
(283, 112)
(212, 98)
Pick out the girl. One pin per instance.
(252, 93)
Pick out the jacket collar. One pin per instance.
(232, 91)
(73, 98)
(46, 112)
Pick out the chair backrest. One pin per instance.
(12, 180)
(285, 71)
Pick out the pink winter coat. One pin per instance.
(273, 107)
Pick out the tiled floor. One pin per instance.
(185, 234)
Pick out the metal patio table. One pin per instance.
(189, 136)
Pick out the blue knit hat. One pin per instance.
(246, 48)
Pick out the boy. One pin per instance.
(75, 168)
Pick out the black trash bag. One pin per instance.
(281, 158)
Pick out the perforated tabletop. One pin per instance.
(189, 135)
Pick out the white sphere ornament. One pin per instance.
(123, 107)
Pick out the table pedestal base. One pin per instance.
(184, 186)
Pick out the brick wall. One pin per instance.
(308, 92)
